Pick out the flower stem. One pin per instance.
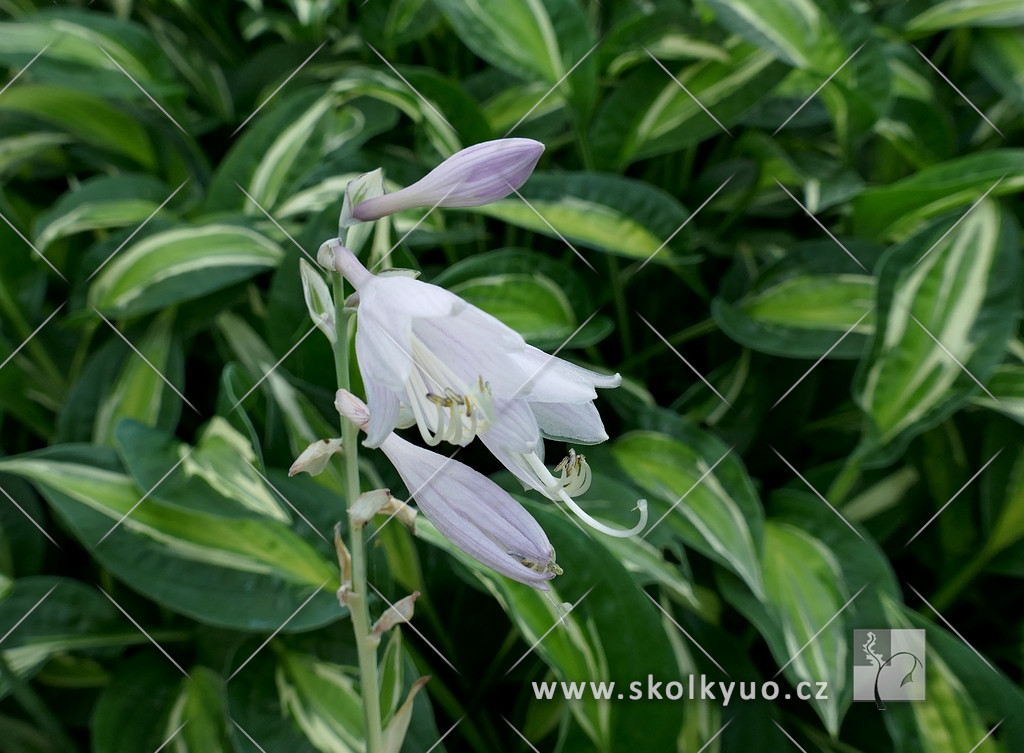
(357, 604)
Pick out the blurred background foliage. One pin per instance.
(821, 360)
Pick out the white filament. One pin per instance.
(574, 480)
(445, 409)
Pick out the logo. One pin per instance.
(888, 665)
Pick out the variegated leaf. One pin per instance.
(247, 573)
(139, 392)
(799, 614)
(693, 501)
(608, 212)
(178, 265)
(947, 308)
(651, 114)
(803, 316)
(323, 700)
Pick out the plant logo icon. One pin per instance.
(888, 665)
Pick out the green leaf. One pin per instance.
(297, 148)
(24, 738)
(399, 22)
(517, 263)
(224, 458)
(649, 114)
(178, 265)
(305, 423)
(896, 210)
(390, 89)
(608, 212)
(801, 581)
(802, 316)
(70, 616)
(133, 712)
(78, 43)
(89, 118)
(139, 392)
(1003, 496)
(858, 95)
(1006, 388)
(100, 203)
(305, 697)
(533, 39)
(195, 65)
(215, 474)
(27, 147)
(532, 305)
(802, 34)
(710, 518)
(802, 596)
(952, 284)
(614, 634)
(201, 708)
(323, 700)
(998, 54)
(391, 674)
(244, 573)
(521, 103)
(954, 14)
(963, 696)
(22, 545)
(295, 153)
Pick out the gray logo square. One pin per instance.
(888, 665)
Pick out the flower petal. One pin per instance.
(554, 380)
(515, 426)
(570, 422)
(474, 344)
(409, 296)
(384, 348)
(384, 406)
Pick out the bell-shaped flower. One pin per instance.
(459, 373)
(477, 175)
(466, 507)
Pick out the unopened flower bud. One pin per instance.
(352, 408)
(480, 174)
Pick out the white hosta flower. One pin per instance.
(460, 373)
(477, 175)
(469, 509)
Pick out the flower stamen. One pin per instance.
(575, 473)
(530, 564)
(575, 477)
(455, 417)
